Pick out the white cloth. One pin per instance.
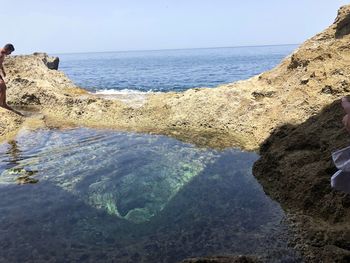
(341, 179)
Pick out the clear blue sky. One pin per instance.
(62, 26)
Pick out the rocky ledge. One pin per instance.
(291, 114)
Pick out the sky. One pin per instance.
(118, 25)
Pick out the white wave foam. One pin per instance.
(134, 98)
(121, 92)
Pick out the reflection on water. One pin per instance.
(106, 196)
(23, 176)
(13, 152)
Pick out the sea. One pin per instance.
(169, 70)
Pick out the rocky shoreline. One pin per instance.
(291, 115)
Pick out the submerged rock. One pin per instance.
(20, 175)
(139, 192)
(23, 179)
(129, 175)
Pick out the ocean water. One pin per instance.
(106, 196)
(169, 70)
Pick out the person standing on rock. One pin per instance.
(5, 51)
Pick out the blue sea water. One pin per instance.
(169, 70)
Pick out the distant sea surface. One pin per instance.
(169, 70)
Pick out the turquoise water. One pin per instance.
(169, 70)
(106, 196)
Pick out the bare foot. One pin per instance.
(7, 107)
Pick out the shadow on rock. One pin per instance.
(295, 168)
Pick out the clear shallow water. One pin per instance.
(169, 70)
(108, 196)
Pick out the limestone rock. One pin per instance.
(10, 123)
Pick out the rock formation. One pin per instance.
(50, 62)
(295, 165)
(291, 112)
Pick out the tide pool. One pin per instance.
(107, 196)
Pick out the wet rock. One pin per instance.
(26, 179)
(24, 176)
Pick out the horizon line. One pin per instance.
(169, 49)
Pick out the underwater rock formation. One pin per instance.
(141, 175)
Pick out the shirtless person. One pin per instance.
(6, 50)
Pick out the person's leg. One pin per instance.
(3, 94)
(3, 103)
